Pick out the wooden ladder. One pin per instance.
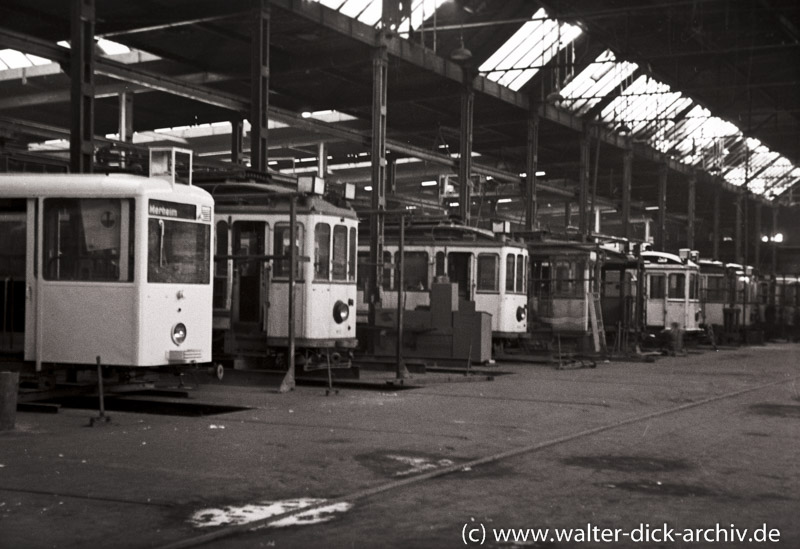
(596, 320)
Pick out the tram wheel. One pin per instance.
(218, 371)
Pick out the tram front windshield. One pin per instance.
(178, 252)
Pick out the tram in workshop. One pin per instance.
(110, 269)
(489, 268)
(672, 291)
(252, 274)
(731, 300)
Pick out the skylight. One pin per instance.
(535, 44)
(13, 59)
(369, 11)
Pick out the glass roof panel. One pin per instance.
(534, 45)
(592, 84)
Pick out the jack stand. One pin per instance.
(330, 388)
(102, 418)
(288, 382)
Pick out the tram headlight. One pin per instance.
(521, 313)
(341, 312)
(178, 333)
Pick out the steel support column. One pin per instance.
(237, 140)
(322, 159)
(567, 215)
(259, 86)
(380, 70)
(126, 117)
(774, 247)
(82, 65)
(627, 168)
(465, 148)
(716, 236)
(532, 163)
(757, 237)
(738, 257)
(583, 182)
(661, 228)
(690, 211)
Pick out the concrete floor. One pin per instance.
(691, 442)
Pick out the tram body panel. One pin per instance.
(86, 288)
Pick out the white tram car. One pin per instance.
(110, 266)
(729, 294)
(251, 276)
(671, 292)
(490, 269)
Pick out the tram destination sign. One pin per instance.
(162, 208)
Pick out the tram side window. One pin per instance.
(353, 250)
(564, 278)
(12, 248)
(363, 270)
(281, 247)
(322, 251)
(677, 286)
(693, 279)
(715, 289)
(657, 286)
(439, 268)
(221, 266)
(339, 270)
(487, 272)
(521, 260)
(88, 239)
(178, 252)
(415, 270)
(510, 272)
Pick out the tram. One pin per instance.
(252, 272)
(111, 269)
(570, 280)
(490, 270)
(671, 291)
(730, 297)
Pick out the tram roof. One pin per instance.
(665, 258)
(92, 186)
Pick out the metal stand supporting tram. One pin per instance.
(111, 269)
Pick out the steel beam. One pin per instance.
(82, 70)
(583, 181)
(627, 168)
(690, 213)
(465, 150)
(237, 140)
(380, 71)
(259, 86)
(739, 248)
(661, 228)
(532, 163)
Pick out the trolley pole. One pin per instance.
(288, 383)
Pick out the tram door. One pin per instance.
(249, 239)
(12, 275)
(458, 270)
(656, 300)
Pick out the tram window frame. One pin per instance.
(415, 270)
(221, 248)
(280, 267)
(569, 286)
(676, 290)
(658, 290)
(520, 281)
(117, 264)
(166, 238)
(322, 252)
(483, 283)
(339, 253)
(440, 266)
(13, 246)
(693, 286)
(716, 289)
(511, 272)
(352, 266)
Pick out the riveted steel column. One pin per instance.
(661, 228)
(81, 137)
(583, 182)
(322, 159)
(125, 124)
(738, 228)
(690, 211)
(532, 163)
(567, 214)
(259, 86)
(627, 168)
(237, 140)
(380, 71)
(465, 148)
(715, 252)
(774, 247)
(757, 237)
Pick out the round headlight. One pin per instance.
(341, 312)
(178, 333)
(521, 314)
